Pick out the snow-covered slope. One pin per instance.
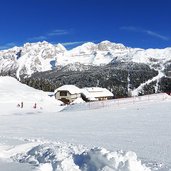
(43, 56)
(101, 139)
(15, 93)
(95, 139)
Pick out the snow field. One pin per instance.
(49, 140)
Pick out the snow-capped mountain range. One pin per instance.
(43, 56)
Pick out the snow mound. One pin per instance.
(67, 157)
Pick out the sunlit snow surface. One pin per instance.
(125, 135)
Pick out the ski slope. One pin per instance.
(125, 137)
(12, 93)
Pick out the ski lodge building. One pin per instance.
(69, 93)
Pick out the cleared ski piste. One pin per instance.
(131, 136)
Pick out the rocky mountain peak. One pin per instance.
(107, 46)
(60, 48)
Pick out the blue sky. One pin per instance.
(135, 23)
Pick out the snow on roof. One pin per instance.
(88, 94)
(94, 92)
(71, 88)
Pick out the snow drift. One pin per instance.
(67, 157)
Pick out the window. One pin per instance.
(63, 93)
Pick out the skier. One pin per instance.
(21, 104)
(35, 105)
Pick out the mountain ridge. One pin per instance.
(43, 56)
(123, 70)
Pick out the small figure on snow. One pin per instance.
(21, 104)
(35, 105)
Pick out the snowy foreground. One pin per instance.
(126, 135)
